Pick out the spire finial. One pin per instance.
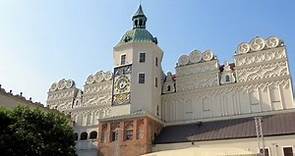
(139, 19)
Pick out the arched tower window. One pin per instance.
(136, 23)
(140, 22)
(83, 136)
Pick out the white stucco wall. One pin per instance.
(263, 85)
(144, 97)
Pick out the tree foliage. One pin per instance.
(34, 132)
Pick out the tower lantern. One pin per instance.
(139, 19)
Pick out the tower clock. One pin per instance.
(121, 85)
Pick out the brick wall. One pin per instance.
(128, 137)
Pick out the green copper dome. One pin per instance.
(138, 34)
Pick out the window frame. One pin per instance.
(140, 21)
(82, 138)
(272, 91)
(267, 148)
(140, 59)
(129, 136)
(254, 97)
(92, 133)
(115, 135)
(287, 147)
(139, 78)
(121, 59)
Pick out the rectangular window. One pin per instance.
(288, 151)
(141, 78)
(266, 151)
(129, 134)
(254, 97)
(275, 94)
(115, 135)
(141, 57)
(156, 82)
(123, 59)
(156, 62)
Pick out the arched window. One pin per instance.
(93, 135)
(76, 136)
(227, 78)
(83, 136)
(136, 23)
(140, 22)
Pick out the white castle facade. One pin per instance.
(202, 89)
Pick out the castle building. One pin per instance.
(10, 100)
(137, 109)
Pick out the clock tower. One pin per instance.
(136, 95)
(138, 73)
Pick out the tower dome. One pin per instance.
(138, 34)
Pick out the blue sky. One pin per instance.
(42, 41)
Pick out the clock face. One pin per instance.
(121, 85)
